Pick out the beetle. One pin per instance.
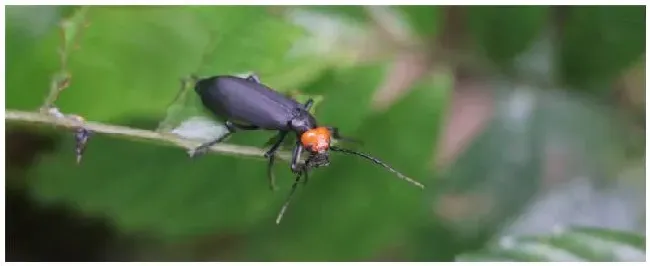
(244, 103)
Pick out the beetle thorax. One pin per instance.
(302, 122)
(316, 140)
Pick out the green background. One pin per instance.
(126, 64)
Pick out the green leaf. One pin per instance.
(130, 60)
(348, 92)
(253, 31)
(599, 42)
(72, 28)
(497, 174)
(486, 182)
(504, 32)
(424, 20)
(573, 244)
(158, 190)
(26, 25)
(155, 190)
(623, 237)
(30, 29)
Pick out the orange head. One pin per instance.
(316, 139)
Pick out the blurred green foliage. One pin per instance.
(127, 63)
(423, 20)
(352, 13)
(505, 32)
(598, 43)
(577, 243)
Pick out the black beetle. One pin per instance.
(247, 104)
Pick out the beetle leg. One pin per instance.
(297, 150)
(288, 200)
(308, 104)
(203, 148)
(269, 173)
(270, 154)
(231, 127)
(295, 157)
(281, 135)
(254, 78)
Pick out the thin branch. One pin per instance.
(133, 133)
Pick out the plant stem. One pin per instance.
(132, 133)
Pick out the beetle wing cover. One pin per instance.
(247, 102)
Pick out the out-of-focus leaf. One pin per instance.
(353, 196)
(143, 53)
(156, 190)
(599, 42)
(424, 20)
(573, 244)
(29, 29)
(163, 188)
(348, 93)
(72, 28)
(130, 61)
(26, 25)
(253, 31)
(352, 13)
(537, 140)
(333, 40)
(504, 32)
(497, 172)
(623, 237)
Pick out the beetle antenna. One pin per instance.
(288, 200)
(377, 161)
